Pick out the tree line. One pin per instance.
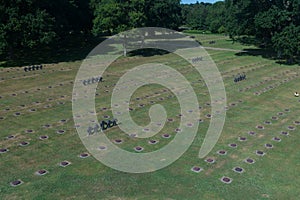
(32, 23)
(275, 23)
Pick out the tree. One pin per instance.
(23, 24)
(205, 16)
(287, 42)
(269, 22)
(107, 15)
(196, 18)
(185, 9)
(274, 23)
(112, 16)
(115, 16)
(240, 15)
(166, 14)
(70, 15)
(30, 23)
(216, 17)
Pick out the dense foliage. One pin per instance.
(275, 23)
(31, 23)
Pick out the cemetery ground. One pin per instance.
(257, 153)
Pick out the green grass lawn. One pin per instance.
(273, 176)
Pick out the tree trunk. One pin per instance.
(232, 38)
(125, 46)
(291, 60)
(279, 54)
(143, 39)
(11, 53)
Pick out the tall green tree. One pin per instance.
(23, 24)
(215, 19)
(275, 23)
(269, 22)
(70, 15)
(113, 16)
(196, 18)
(240, 15)
(287, 42)
(185, 10)
(205, 16)
(166, 14)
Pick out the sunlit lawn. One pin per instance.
(272, 176)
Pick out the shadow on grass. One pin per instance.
(75, 48)
(263, 50)
(147, 52)
(268, 54)
(248, 40)
(265, 53)
(167, 47)
(70, 49)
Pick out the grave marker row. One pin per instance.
(92, 80)
(239, 77)
(33, 68)
(104, 125)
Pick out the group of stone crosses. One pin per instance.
(92, 80)
(239, 77)
(197, 59)
(102, 126)
(33, 68)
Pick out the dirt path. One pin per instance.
(223, 49)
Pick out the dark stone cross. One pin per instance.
(108, 124)
(90, 130)
(104, 125)
(92, 80)
(239, 77)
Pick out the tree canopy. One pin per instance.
(113, 16)
(274, 23)
(31, 23)
(23, 24)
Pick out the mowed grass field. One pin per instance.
(39, 103)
